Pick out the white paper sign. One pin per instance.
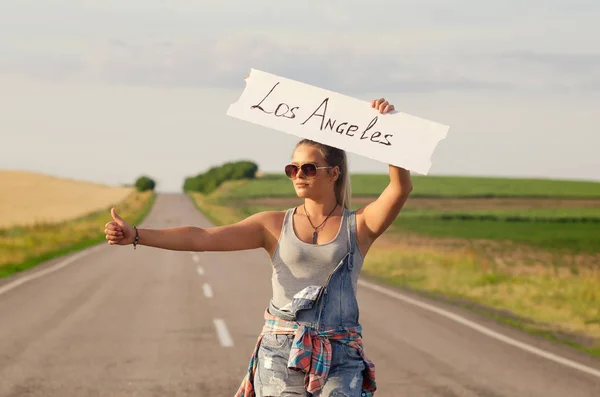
(338, 120)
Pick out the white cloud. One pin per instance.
(224, 62)
(350, 45)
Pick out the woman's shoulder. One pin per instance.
(272, 219)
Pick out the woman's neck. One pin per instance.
(321, 208)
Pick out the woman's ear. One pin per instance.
(336, 173)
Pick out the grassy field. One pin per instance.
(526, 253)
(27, 243)
(562, 224)
(575, 237)
(579, 231)
(432, 186)
(541, 297)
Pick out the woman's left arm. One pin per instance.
(379, 215)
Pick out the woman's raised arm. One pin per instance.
(378, 215)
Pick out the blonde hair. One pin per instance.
(335, 157)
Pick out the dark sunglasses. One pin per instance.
(308, 169)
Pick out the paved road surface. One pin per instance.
(119, 322)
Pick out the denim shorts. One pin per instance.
(274, 379)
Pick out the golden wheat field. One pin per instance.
(27, 198)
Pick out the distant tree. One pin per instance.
(216, 175)
(144, 183)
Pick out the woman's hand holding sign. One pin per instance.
(382, 105)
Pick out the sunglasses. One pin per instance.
(308, 169)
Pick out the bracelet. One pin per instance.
(137, 238)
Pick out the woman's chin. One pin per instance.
(302, 193)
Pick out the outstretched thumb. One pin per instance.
(116, 217)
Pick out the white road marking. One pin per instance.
(482, 329)
(58, 266)
(196, 258)
(223, 333)
(200, 270)
(207, 291)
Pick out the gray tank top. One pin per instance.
(297, 265)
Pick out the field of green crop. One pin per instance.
(574, 237)
(573, 228)
(562, 215)
(432, 186)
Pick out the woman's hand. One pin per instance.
(119, 232)
(382, 105)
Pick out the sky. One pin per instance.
(106, 91)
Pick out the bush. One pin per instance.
(144, 183)
(215, 176)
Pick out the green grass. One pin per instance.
(22, 248)
(431, 186)
(543, 215)
(553, 234)
(563, 308)
(217, 213)
(565, 229)
(563, 215)
(561, 229)
(557, 236)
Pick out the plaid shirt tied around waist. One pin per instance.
(310, 353)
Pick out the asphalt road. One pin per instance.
(117, 322)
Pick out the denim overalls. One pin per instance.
(323, 308)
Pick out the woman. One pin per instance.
(311, 341)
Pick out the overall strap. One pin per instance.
(351, 225)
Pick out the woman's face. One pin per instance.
(319, 185)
